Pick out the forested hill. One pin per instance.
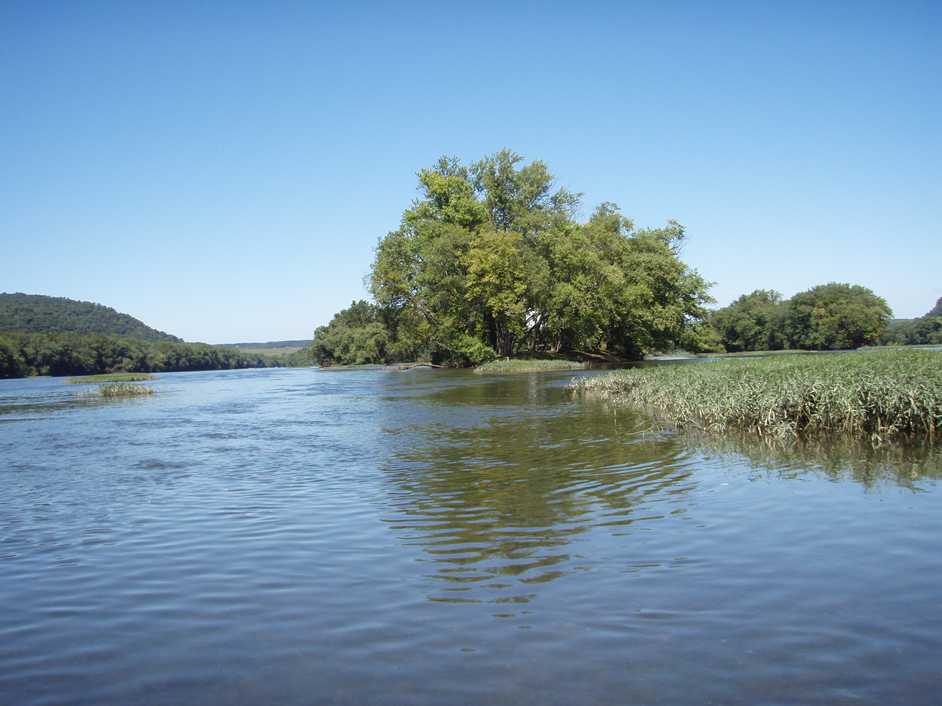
(36, 313)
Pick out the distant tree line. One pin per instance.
(926, 329)
(24, 354)
(491, 261)
(827, 317)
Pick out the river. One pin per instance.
(435, 537)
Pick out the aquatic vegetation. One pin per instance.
(879, 395)
(111, 377)
(124, 389)
(527, 365)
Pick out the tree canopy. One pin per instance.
(36, 313)
(827, 317)
(355, 336)
(751, 323)
(490, 260)
(835, 316)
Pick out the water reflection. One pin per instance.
(499, 507)
(838, 459)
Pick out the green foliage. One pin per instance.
(926, 330)
(23, 354)
(873, 395)
(470, 351)
(827, 317)
(34, 313)
(751, 323)
(835, 316)
(492, 253)
(355, 336)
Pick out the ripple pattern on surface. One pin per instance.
(288, 536)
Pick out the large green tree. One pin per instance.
(490, 260)
(355, 336)
(835, 316)
(752, 323)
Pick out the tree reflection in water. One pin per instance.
(497, 507)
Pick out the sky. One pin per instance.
(223, 171)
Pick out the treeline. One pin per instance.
(25, 354)
(925, 330)
(491, 261)
(36, 313)
(831, 316)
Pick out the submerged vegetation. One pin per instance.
(124, 389)
(527, 365)
(111, 377)
(490, 261)
(878, 396)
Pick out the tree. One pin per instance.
(751, 323)
(835, 316)
(490, 260)
(355, 336)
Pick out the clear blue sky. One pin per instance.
(222, 171)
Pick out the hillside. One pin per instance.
(36, 313)
(270, 347)
(936, 310)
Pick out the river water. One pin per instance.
(433, 537)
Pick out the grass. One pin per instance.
(124, 389)
(877, 396)
(526, 365)
(110, 377)
(759, 354)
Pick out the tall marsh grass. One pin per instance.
(879, 395)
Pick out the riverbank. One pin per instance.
(878, 395)
(110, 377)
(508, 366)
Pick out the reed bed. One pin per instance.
(879, 395)
(124, 389)
(110, 377)
(523, 365)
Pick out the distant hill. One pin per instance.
(36, 313)
(277, 348)
(937, 309)
(269, 344)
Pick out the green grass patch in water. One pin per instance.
(125, 389)
(877, 396)
(526, 365)
(110, 377)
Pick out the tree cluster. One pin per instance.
(24, 354)
(827, 317)
(491, 261)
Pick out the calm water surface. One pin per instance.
(308, 537)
